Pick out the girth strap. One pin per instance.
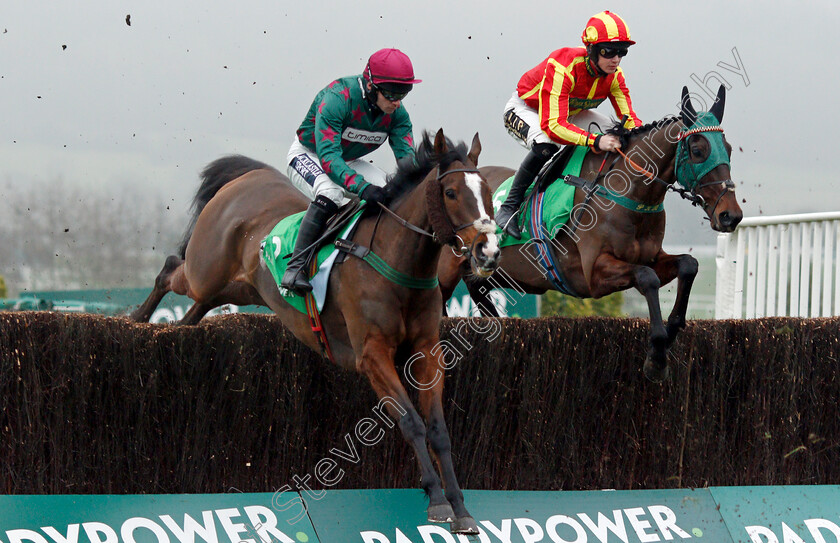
(382, 267)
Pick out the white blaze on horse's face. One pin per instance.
(484, 224)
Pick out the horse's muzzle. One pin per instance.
(727, 221)
(485, 258)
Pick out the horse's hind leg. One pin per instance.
(161, 288)
(429, 373)
(235, 292)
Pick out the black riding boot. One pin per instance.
(311, 227)
(534, 161)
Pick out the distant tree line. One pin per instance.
(61, 237)
(57, 236)
(561, 305)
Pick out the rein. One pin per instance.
(433, 235)
(686, 194)
(395, 276)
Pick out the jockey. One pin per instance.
(348, 119)
(551, 104)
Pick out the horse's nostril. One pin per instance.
(485, 254)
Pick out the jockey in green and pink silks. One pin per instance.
(348, 119)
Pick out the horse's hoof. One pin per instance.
(464, 525)
(441, 512)
(656, 373)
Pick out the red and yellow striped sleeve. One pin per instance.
(557, 84)
(620, 98)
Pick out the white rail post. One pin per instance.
(725, 278)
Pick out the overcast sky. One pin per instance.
(100, 104)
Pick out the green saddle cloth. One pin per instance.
(557, 204)
(281, 241)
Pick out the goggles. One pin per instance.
(610, 52)
(389, 95)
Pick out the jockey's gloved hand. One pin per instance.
(373, 194)
(607, 142)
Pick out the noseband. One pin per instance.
(697, 200)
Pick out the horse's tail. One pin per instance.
(216, 175)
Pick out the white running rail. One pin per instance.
(779, 266)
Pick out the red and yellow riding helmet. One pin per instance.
(606, 27)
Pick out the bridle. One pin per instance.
(691, 187)
(694, 184)
(454, 241)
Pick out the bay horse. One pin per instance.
(610, 247)
(368, 319)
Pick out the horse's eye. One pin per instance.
(696, 151)
(450, 194)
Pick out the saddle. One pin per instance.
(335, 224)
(556, 199)
(319, 257)
(553, 169)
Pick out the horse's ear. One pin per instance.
(689, 115)
(475, 150)
(440, 143)
(717, 107)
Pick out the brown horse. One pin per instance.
(607, 247)
(369, 320)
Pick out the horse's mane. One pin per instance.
(410, 173)
(624, 134)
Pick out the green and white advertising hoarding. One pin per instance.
(194, 518)
(397, 516)
(781, 514)
(790, 514)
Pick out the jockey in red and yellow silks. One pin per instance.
(553, 101)
(563, 85)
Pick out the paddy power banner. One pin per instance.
(398, 516)
(795, 514)
(193, 518)
(781, 514)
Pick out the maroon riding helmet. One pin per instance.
(391, 73)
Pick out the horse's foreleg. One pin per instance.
(480, 295)
(377, 363)
(161, 288)
(428, 374)
(656, 364)
(684, 268)
(609, 275)
(449, 273)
